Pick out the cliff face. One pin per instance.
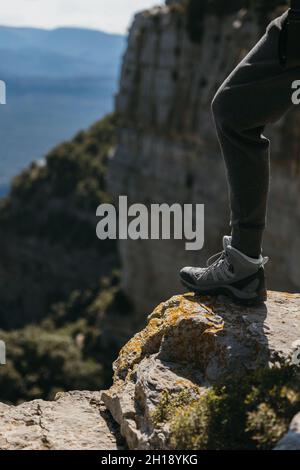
(168, 152)
(197, 377)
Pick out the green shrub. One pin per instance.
(40, 363)
(249, 414)
(171, 403)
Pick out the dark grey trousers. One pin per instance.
(256, 93)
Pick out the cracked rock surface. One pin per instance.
(75, 420)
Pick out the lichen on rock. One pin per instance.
(163, 332)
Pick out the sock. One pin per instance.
(251, 255)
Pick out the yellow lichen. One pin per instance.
(163, 318)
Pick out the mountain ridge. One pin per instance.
(58, 82)
(24, 50)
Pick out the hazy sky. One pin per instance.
(107, 15)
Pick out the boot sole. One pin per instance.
(260, 298)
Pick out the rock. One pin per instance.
(189, 344)
(191, 341)
(291, 441)
(75, 420)
(168, 151)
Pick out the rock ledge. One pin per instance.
(189, 344)
(191, 341)
(75, 420)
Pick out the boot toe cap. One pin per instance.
(186, 275)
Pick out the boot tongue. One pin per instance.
(227, 258)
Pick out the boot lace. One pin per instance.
(216, 263)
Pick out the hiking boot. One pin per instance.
(229, 273)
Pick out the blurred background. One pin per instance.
(102, 103)
(61, 61)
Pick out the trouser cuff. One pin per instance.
(247, 240)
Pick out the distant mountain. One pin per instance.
(60, 52)
(58, 81)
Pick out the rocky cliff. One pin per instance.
(168, 151)
(203, 374)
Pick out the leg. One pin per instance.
(256, 93)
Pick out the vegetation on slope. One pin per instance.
(74, 341)
(54, 199)
(69, 349)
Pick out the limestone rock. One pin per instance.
(75, 420)
(189, 344)
(291, 441)
(192, 341)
